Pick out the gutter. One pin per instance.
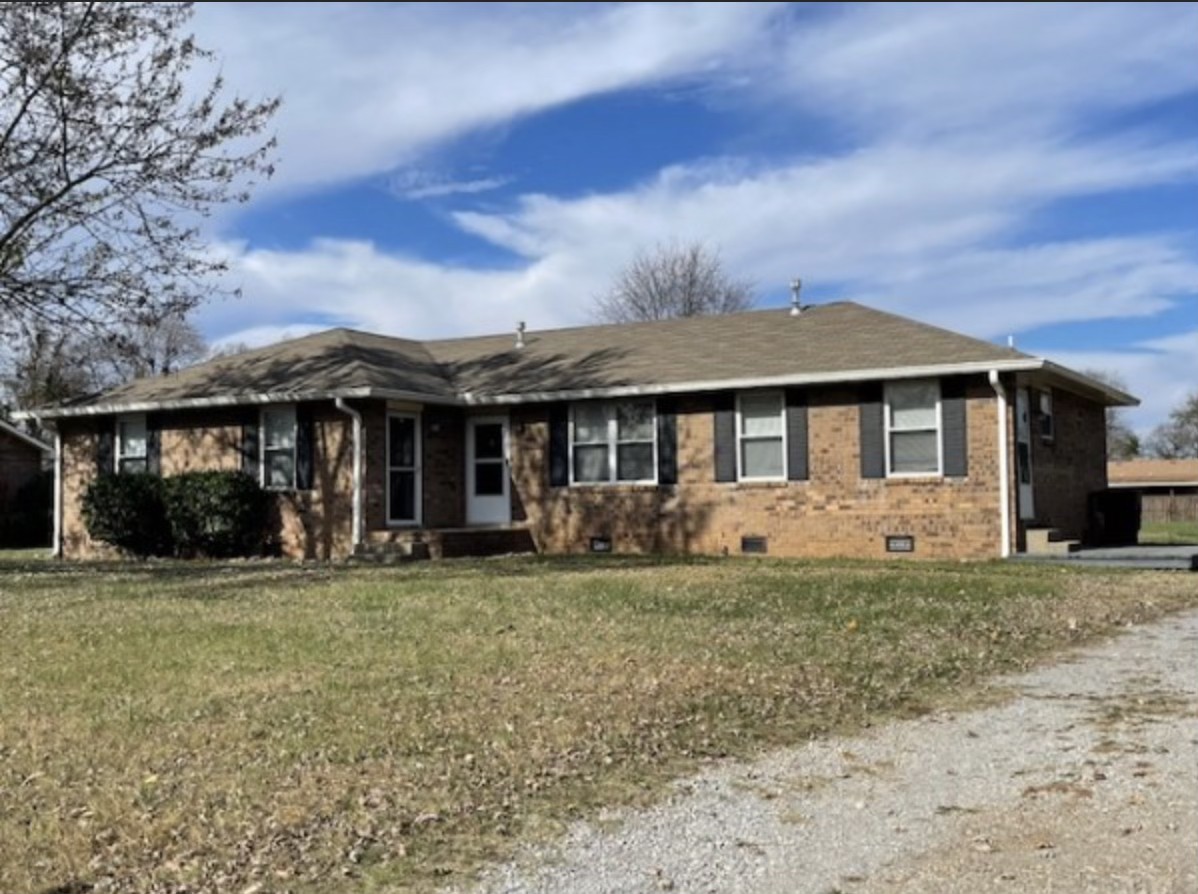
(356, 416)
(1004, 465)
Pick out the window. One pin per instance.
(403, 468)
(1046, 420)
(614, 441)
(913, 428)
(761, 449)
(278, 448)
(131, 444)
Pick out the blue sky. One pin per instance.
(1026, 169)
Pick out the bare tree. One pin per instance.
(154, 348)
(1177, 437)
(674, 281)
(1121, 441)
(45, 366)
(113, 149)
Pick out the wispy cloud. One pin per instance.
(420, 183)
(368, 87)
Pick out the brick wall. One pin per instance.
(835, 513)
(79, 441)
(305, 524)
(208, 441)
(1070, 467)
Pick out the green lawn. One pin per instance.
(1169, 532)
(331, 729)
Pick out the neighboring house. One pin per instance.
(837, 431)
(22, 458)
(1168, 487)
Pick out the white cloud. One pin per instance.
(1160, 372)
(969, 120)
(415, 184)
(926, 70)
(366, 87)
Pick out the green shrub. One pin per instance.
(128, 511)
(215, 514)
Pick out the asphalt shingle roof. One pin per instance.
(840, 337)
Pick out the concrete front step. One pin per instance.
(1048, 542)
(398, 545)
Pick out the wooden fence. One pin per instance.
(1169, 507)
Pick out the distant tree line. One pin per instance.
(1175, 438)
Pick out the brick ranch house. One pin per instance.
(835, 431)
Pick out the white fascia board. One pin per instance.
(824, 378)
(20, 435)
(1114, 395)
(227, 400)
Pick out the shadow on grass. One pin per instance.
(70, 888)
(220, 580)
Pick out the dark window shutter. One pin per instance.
(559, 445)
(796, 435)
(106, 447)
(724, 436)
(873, 431)
(305, 437)
(953, 432)
(667, 442)
(249, 444)
(154, 444)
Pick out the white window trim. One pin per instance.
(613, 444)
(118, 441)
(417, 473)
(1046, 436)
(266, 485)
(740, 475)
(888, 429)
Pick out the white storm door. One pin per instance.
(1023, 454)
(488, 499)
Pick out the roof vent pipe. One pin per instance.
(520, 334)
(796, 307)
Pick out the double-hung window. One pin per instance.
(131, 444)
(760, 436)
(278, 448)
(1047, 430)
(614, 441)
(913, 427)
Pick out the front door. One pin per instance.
(1023, 453)
(488, 500)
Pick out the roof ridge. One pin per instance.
(637, 323)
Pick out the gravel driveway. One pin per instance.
(1086, 781)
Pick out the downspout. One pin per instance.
(353, 414)
(56, 536)
(1004, 465)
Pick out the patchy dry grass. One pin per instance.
(1169, 533)
(316, 729)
